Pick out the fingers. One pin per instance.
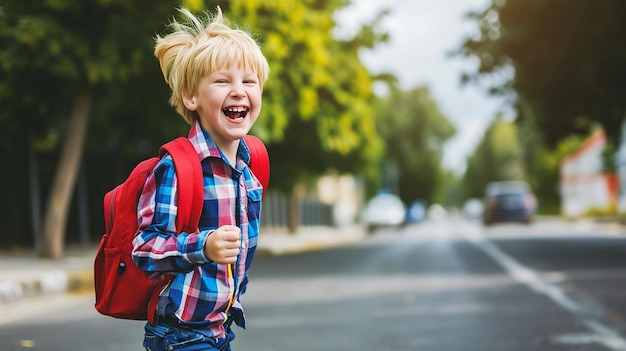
(230, 258)
(222, 246)
(229, 233)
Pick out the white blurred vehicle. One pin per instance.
(436, 212)
(383, 210)
(473, 208)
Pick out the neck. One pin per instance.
(230, 151)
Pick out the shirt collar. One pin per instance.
(206, 147)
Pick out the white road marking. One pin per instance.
(599, 332)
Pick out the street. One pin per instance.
(443, 286)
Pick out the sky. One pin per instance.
(422, 33)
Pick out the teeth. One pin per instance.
(235, 112)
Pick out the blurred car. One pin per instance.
(437, 212)
(473, 208)
(416, 212)
(509, 201)
(383, 210)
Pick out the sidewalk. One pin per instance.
(23, 274)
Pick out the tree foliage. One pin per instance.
(497, 157)
(567, 58)
(94, 60)
(414, 132)
(58, 53)
(317, 104)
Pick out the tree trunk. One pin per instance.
(35, 193)
(65, 177)
(293, 220)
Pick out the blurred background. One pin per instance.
(428, 101)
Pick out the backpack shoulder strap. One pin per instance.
(190, 198)
(190, 183)
(259, 160)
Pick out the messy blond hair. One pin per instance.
(198, 47)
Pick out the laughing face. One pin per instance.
(228, 102)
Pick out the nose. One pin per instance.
(238, 90)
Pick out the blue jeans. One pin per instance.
(165, 337)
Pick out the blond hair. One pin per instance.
(199, 47)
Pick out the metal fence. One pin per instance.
(275, 212)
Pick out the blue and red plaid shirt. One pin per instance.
(201, 291)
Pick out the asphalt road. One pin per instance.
(441, 286)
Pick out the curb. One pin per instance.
(43, 283)
(53, 282)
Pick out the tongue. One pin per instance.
(231, 114)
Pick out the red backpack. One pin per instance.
(122, 289)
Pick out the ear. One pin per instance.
(190, 102)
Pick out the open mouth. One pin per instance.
(236, 112)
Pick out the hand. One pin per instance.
(222, 246)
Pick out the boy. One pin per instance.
(216, 75)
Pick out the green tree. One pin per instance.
(317, 111)
(562, 62)
(414, 132)
(59, 52)
(497, 157)
(317, 104)
(78, 65)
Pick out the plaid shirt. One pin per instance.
(201, 290)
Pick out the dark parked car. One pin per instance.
(509, 201)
